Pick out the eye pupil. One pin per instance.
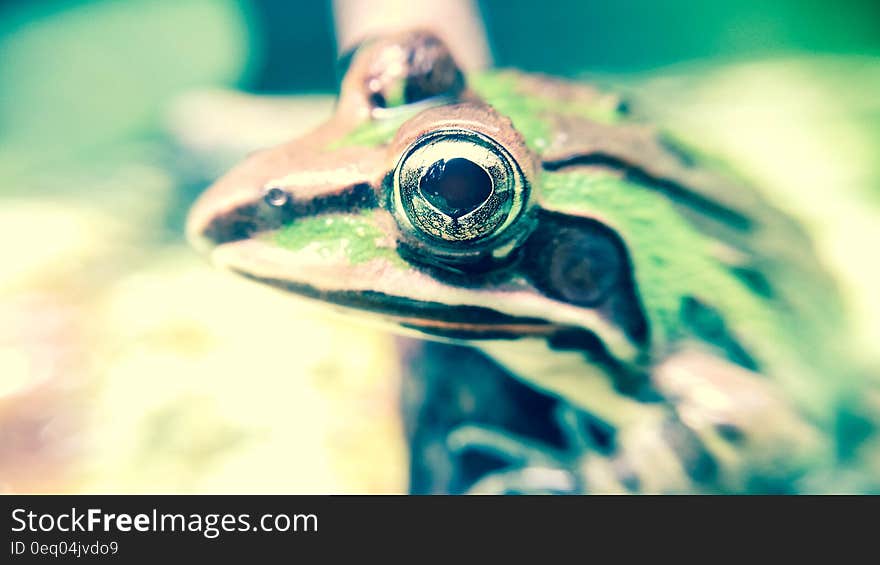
(456, 186)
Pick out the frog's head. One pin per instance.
(447, 207)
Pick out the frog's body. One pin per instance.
(587, 254)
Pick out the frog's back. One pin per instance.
(714, 263)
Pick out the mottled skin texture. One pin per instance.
(667, 306)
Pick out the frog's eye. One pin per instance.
(458, 192)
(415, 68)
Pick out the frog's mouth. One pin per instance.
(386, 289)
(379, 289)
(431, 318)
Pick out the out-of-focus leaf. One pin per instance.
(81, 78)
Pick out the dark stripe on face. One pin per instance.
(254, 217)
(675, 190)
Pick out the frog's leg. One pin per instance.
(530, 467)
(639, 456)
(584, 465)
(473, 428)
(654, 447)
(449, 386)
(719, 428)
(756, 437)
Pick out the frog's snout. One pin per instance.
(206, 229)
(235, 207)
(201, 225)
(217, 219)
(197, 222)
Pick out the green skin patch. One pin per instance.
(527, 111)
(670, 258)
(373, 133)
(354, 234)
(673, 261)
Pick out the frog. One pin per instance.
(644, 318)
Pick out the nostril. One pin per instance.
(275, 197)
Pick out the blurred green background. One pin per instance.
(126, 364)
